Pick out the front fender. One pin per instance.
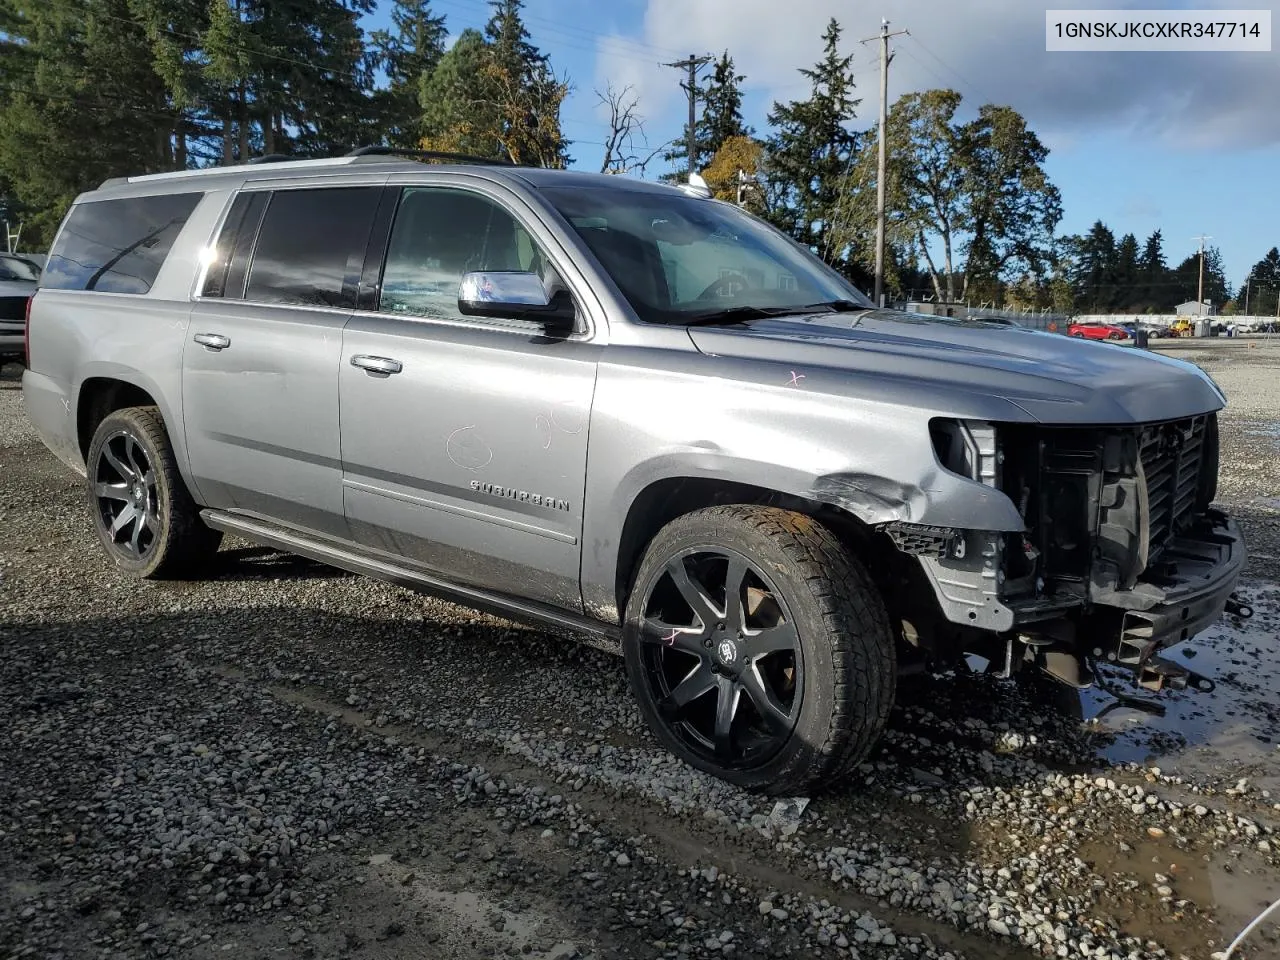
(872, 459)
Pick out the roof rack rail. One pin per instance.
(273, 158)
(375, 150)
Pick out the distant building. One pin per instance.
(1194, 308)
(935, 308)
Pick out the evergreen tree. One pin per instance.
(1128, 274)
(810, 154)
(1152, 261)
(1185, 285)
(1094, 274)
(1263, 285)
(83, 103)
(457, 115)
(407, 53)
(525, 92)
(1153, 274)
(721, 109)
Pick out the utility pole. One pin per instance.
(882, 165)
(1200, 289)
(690, 87)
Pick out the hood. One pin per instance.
(1055, 379)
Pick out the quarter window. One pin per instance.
(437, 236)
(117, 246)
(311, 246)
(225, 276)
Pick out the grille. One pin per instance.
(1172, 455)
(13, 308)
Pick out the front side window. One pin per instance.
(311, 246)
(117, 246)
(678, 259)
(440, 234)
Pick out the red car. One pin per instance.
(1097, 331)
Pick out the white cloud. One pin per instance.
(989, 50)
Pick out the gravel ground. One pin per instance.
(288, 761)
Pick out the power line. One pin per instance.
(569, 30)
(956, 73)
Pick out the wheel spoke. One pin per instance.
(111, 491)
(776, 639)
(121, 520)
(773, 713)
(684, 639)
(693, 592)
(726, 709)
(130, 449)
(152, 522)
(699, 682)
(735, 576)
(117, 464)
(135, 541)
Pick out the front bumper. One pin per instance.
(1185, 593)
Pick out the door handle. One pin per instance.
(382, 365)
(214, 341)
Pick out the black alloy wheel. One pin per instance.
(143, 513)
(124, 485)
(722, 657)
(758, 648)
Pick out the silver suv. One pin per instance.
(628, 411)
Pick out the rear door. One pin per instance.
(465, 451)
(260, 369)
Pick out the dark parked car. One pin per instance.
(18, 277)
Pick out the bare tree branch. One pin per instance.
(622, 153)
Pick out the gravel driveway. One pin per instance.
(288, 761)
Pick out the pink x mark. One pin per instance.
(795, 379)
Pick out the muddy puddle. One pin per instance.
(1232, 731)
(1152, 883)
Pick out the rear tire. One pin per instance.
(143, 513)
(758, 648)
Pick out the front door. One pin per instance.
(464, 442)
(260, 369)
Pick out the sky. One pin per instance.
(1185, 142)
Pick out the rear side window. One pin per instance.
(311, 247)
(117, 246)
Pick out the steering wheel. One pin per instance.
(730, 285)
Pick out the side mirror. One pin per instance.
(513, 295)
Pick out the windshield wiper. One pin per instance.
(835, 306)
(734, 315)
(743, 313)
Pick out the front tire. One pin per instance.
(143, 513)
(758, 648)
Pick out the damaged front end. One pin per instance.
(1121, 553)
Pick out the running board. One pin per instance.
(606, 636)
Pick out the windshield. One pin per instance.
(681, 259)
